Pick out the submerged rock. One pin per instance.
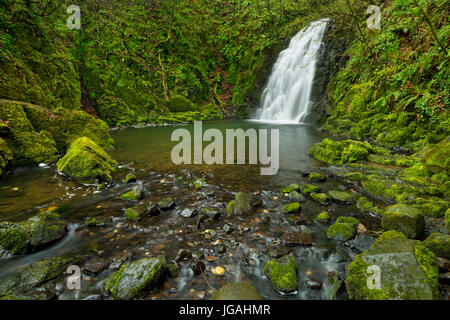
(403, 218)
(296, 197)
(86, 162)
(437, 158)
(33, 234)
(237, 291)
(438, 243)
(341, 196)
(300, 235)
(241, 205)
(35, 275)
(323, 217)
(166, 203)
(135, 278)
(408, 270)
(290, 188)
(344, 229)
(282, 274)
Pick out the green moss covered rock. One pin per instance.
(344, 229)
(340, 196)
(33, 234)
(320, 197)
(317, 177)
(403, 218)
(237, 291)
(447, 219)
(179, 103)
(86, 162)
(293, 207)
(135, 278)
(438, 243)
(241, 205)
(166, 203)
(323, 217)
(408, 270)
(135, 213)
(438, 157)
(130, 177)
(282, 274)
(308, 188)
(340, 152)
(296, 196)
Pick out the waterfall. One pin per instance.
(287, 95)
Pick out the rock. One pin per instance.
(4, 129)
(211, 213)
(241, 205)
(293, 207)
(35, 275)
(444, 264)
(313, 285)
(408, 270)
(166, 203)
(277, 251)
(32, 234)
(340, 152)
(309, 188)
(361, 229)
(323, 217)
(152, 208)
(173, 269)
(447, 219)
(334, 283)
(437, 159)
(227, 228)
(403, 218)
(6, 155)
(344, 229)
(237, 291)
(198, 267)
(282, 274)
(321, 198)
(188, 212)
(444, 278)
(86, 162)
(134, 194)
(341, 197)
(290, 188)
(299, 236)
(317, 177)
(296, 197)
(135, 278)
(438, 243)
(96, 266)
(130, 177)
(135, 213)
(182, 255)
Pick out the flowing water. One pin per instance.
(287, 95)
(146, 151)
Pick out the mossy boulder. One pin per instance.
(86, 162)
(308, 188)
(438, 243)
(282, 274)
(320, 197)
(290, 188)
(344, 229)
(33, 234)
(437, 158)
(340, 152)
(403, 218)
(241, 205)
(181, 104)
(323, 217)
(447, 219)
(136, 278)
(296, 196)
(237, 291)
(134, 194)
(35, 275)
(293, 207)
(130, 178)
(31, 148)
(6, 155)
(340, 196)
(5, 129)
(408, 270)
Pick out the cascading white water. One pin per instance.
(287, 95)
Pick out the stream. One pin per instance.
(242, 252)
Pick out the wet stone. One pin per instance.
(96, 266)
(188, 213)
(211, 213)
(227, 228)
(301, 235)
(166, 203)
